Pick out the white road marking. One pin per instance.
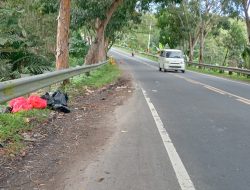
(212, 76)
(179, 168)
(239, 98)
(244, 101)
(214, 89)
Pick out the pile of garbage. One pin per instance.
(55, 101)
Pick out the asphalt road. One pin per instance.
(178, 131)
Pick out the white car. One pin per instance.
(171, 59)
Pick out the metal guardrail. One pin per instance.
(18, 87)
(232, 69)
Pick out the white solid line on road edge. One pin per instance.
(179, 168)
(212, 76)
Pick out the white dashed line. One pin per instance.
(179, 168)
(244, 101)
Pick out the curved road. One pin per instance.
(178, 131)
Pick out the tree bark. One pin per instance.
(62, 50)
(201, 56)
(192, 43)
(247, 19)
(97, 51)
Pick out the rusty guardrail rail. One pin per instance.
(18, 87)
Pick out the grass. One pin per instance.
(97, 78)
(234, 76)
(13, 125)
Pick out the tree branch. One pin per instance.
(110, 11)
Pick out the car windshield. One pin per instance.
(173, 54)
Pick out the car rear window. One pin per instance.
(174, 54)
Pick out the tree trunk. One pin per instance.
(97, 51)
(247, 19)
(201, 56)
(191, 49)
(62, 50)
(106, 42)
(225, 59)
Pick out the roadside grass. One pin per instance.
(12, 125)
(234, 76)
(106, 74)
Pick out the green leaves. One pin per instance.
(22, 42)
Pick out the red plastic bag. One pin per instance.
(19, 104)
(37, 102)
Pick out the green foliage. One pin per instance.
(136, 37)
(98, 78)
(86, 13)
(77, 47)
(246, 57)
(172, 32)
(23, 42)
(235, 40)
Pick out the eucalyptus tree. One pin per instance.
(106, 18)
(191, 21)
(240, 8)
(62, 49)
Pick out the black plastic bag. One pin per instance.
(4, 110)
(57, 101)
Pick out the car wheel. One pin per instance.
(183, 71)
(159, 69)
(165, 70)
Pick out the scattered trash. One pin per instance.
(124, 131)
(23, 104)
(57, 101)
(37, 102)
(8, 110)
(89, 91)
(28, 137)
(121, 87)
(4, 109)
(20, 104)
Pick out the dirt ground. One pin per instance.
(66, 139)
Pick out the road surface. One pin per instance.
(178, 132)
